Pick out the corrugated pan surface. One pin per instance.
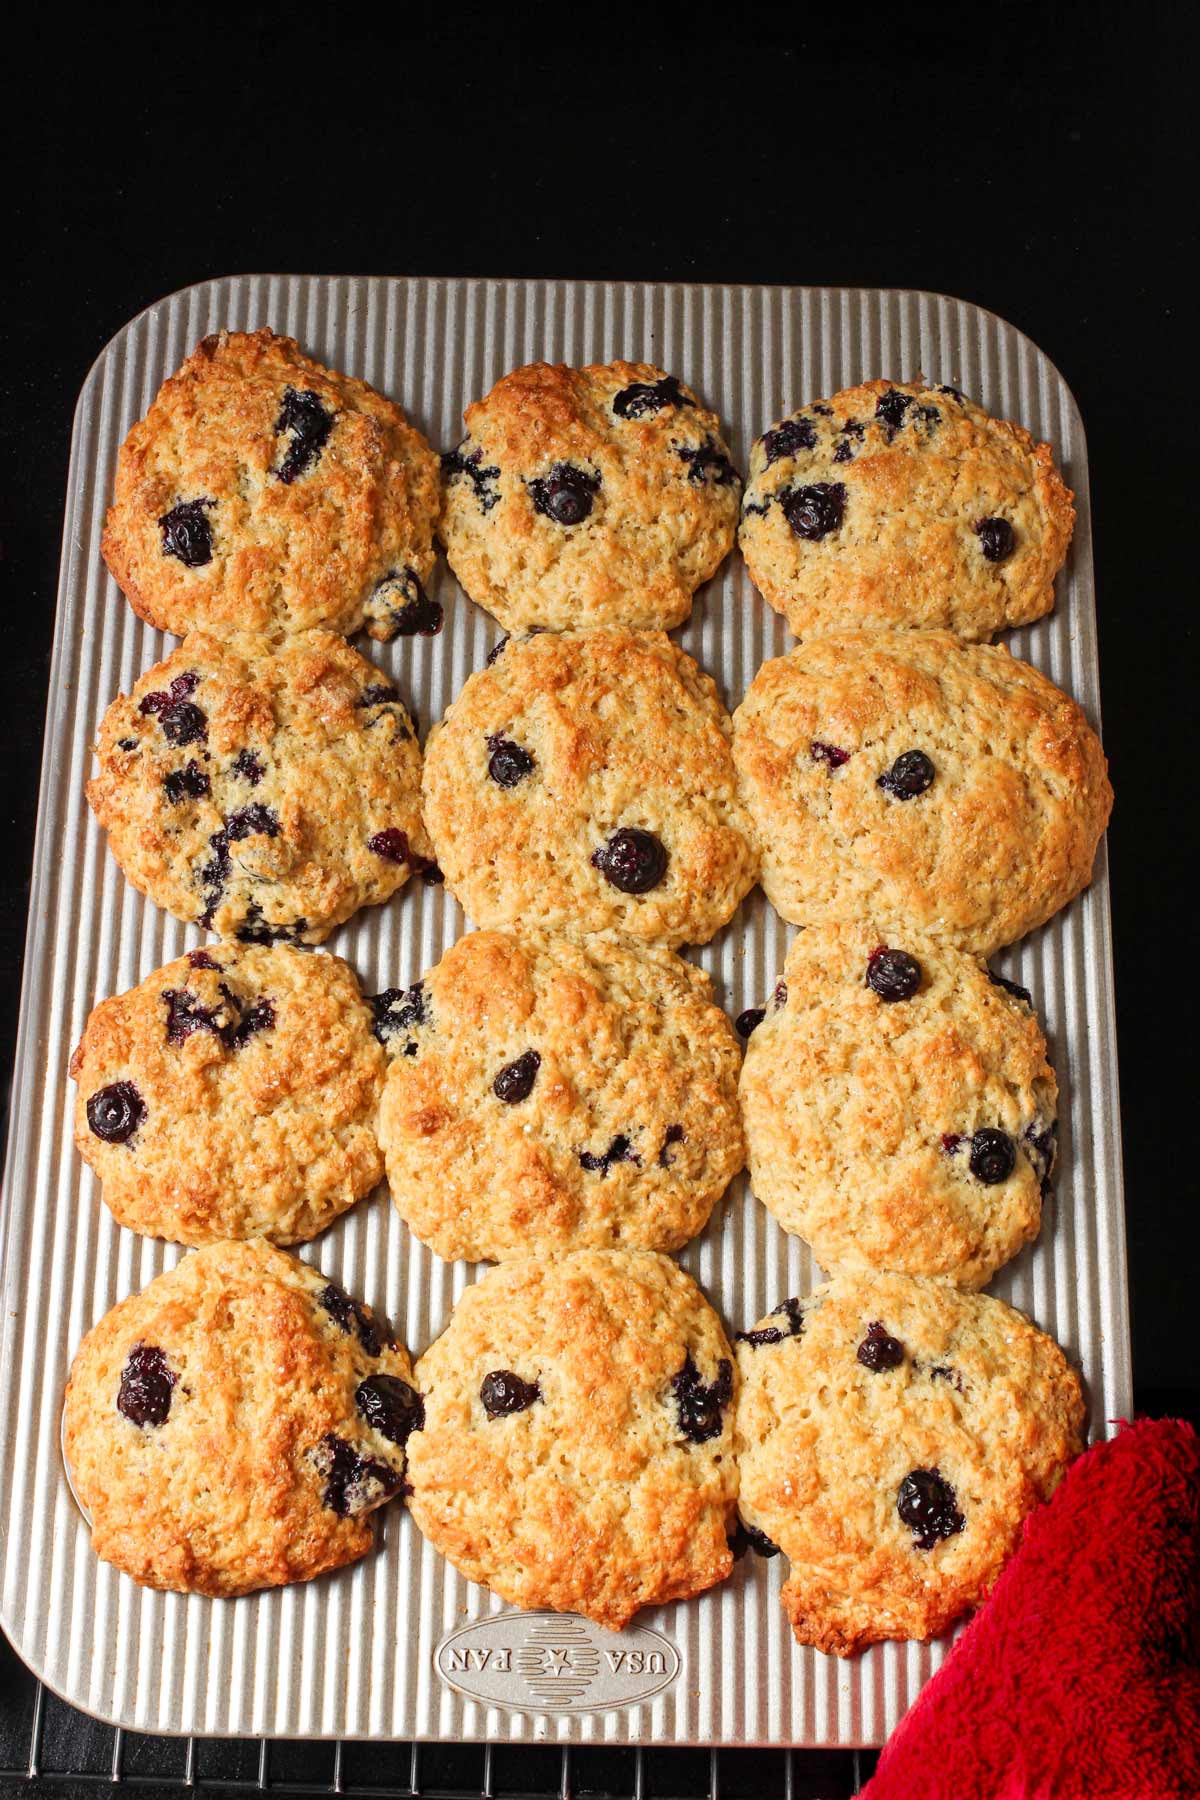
(353, 1655)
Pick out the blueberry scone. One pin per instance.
(926, 784)
(234, 1425)
(899, 1106)
(900, 504)
(548, 1095)
(266, 790)
(263, 492)
(596, 496)
(892, 1436)
(233, 1094)
(584, 780)
(577, 1451)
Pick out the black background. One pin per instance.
(1035, 159)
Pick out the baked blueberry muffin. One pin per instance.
(896, 504)
(923, 783)
(596, 496)
(234, 1425)
(583, 781)
(892, 1436)
(266, 790)
(577, 1451)
(899, 1106)
(548, 1095)
(233, 1094)
(263, 492)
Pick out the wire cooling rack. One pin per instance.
(46, 1746)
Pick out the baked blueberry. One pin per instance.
(997, 539)
(412, 613)
(190, 780)
(814, 511)
(911, 774)
(483, 480)
(749, 1021)
(503, 1393)
(787, 439)
(791, 1312)
(632, 860)
(928, 1505)
(187, 533)
(508, 763)
(247, 767)
(258, 1017)
(749, 1537)
(161, 700)
(893, 974)
(515, 1080)
(350, 1316)
(184, 723)
(620, 1150)
(674, 1135)
(993, 1156)
(829, 754)
(390, 1406)
(566, 494)
(699, 1404)
(115, 1112)
(708, 462)
(309, 424)
(391, 844)
(353, 1483)
(185, 1014)
(643, 398)
(1010, 987)
(879, 1350)
(147, 1381)
(398, 1012)
(891, 408)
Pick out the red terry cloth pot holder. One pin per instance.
(1080, 1678)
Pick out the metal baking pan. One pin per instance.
(401, 1646)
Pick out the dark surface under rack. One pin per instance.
(45, 1745)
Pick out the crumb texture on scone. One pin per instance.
(584, 781)
(552, 1095)
(921, 782)
(233, 1426)
(265, 789)
(892, 1435)
(595, 496)
(232, 1094)
(577, 1452)
(899, 1105)
(263, 492)
(898, 504)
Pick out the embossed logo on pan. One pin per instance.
(555, 1662)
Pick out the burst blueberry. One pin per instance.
(699, 1404)
(390, 1406)
(788, 439)
(928, 1505)
(309, 425)
(187, 533)
(643, 398)
(147, 1383)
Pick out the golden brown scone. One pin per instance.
(233, 1094)
(578, 1443)
(899, 1106)
(233, 1426)
(267, 790)
(263, 492)
(896, 504)
(926, 784)
(583, 781)
(892, 1436)
(550, 1096)
(597, 496)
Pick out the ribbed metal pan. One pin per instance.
(354, 1654)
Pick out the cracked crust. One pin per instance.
(590, 1500)
(626, 731)
(333, 773)
(980, 1395)
(906, 551)
(285, 556)
(270, 1133)
(630, 1047)
(1005, 836)
(659, 524)
(849, 1100)
(227, 1494)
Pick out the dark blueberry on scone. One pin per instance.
(577, 1451)
(332, 762)
(402, 608)
(231, 1355)
(263, 492)
(232, 1094)
(574, 1093)
(895, 1107)
(898, 1498)
(587, 497)
(971, 801)
(870, 512)
(584, 782)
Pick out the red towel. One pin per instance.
(1080, 1678)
